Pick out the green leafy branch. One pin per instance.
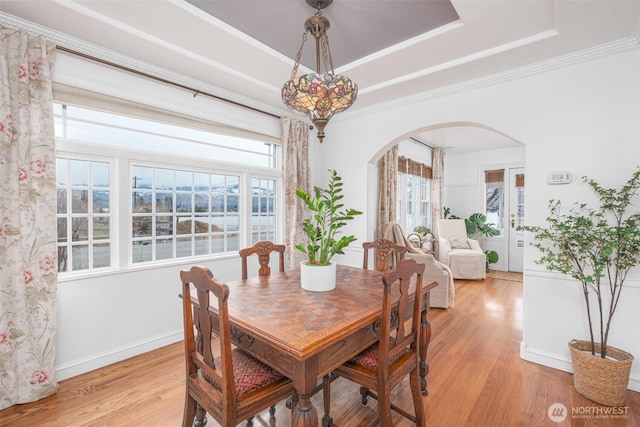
(328, 217)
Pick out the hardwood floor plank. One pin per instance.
(476, 379)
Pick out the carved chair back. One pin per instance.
(263, 250)
(387, 254)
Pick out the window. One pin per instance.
(83, 214)
(494, 198)
(178, 213)
(519, 218)
(414, 189)
(263, 216)
(184, 192)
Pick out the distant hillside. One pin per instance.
(184, 227)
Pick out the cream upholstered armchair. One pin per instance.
(464, 256)
(443, 295)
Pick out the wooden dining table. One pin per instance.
(305, 335)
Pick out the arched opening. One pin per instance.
(470, 150)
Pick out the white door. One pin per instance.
(516, 218)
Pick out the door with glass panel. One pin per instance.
(516, 218)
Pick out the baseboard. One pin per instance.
(100, 360)
(563, 363)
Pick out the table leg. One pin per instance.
(425, 338)
(305, 378)
(304, 414)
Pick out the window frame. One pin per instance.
(278, 206)
(121, 204)
(417, 201)
(61, 153)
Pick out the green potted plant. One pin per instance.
(323, 228)
(422, 230)
(597, 247)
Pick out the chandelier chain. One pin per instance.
(326, 54)
(299, 55)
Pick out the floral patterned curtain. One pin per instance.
(437, 191)
(387, 190)
(295, 171)
(28, 269)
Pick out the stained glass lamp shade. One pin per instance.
(318, 95)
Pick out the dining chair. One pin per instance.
(263, 250)
(387, 254)
(383, 365)
(226, 383)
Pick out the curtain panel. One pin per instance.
(387, 190)
(437, 191)
(295, 172)
(28, 266)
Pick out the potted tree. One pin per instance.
(597, 247)
(322, 228)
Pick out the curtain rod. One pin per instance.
(196, 92)
(417, 141)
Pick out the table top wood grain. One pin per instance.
(301, 322)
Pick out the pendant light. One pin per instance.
(318, 95)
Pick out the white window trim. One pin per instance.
(114, 217)
(121, 200)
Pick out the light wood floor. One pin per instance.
(477, 379)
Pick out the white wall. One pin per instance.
(108, 318)
(581, 118)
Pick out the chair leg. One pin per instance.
(289, 402)
(384, 404)
(327, 421)
(189, 413)
(272, 411)
(201, 418)
(418, 404)
(365, 395)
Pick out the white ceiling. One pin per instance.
(401, 59)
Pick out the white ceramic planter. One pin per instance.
(318, 278)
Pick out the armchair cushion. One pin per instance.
(459, 243)
(474, 245)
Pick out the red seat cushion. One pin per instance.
(369, 357)
(250, 374)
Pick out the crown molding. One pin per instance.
(589, 54)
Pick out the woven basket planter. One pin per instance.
(604, 381)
